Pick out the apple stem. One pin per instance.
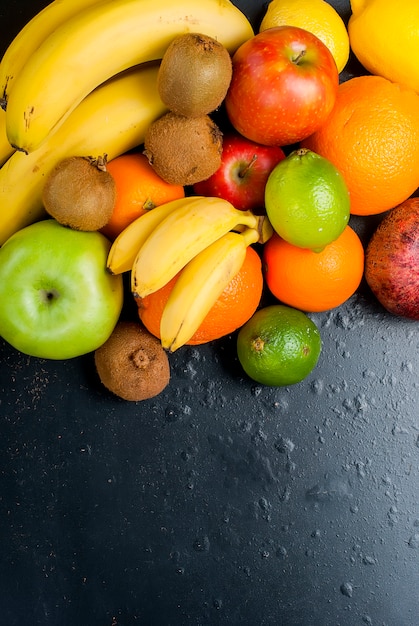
(247, 167)
(299, 56)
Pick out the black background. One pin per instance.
(219, 501)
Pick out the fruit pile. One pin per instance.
(204, 166)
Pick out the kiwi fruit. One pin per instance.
(183, 150)
(194, 74)
(132, 363)
(80, 193)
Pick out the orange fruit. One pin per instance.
(372, 137)
(314, 281)
(233, 308)
(138, 189)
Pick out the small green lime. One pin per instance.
(307, 200)
(278, 346)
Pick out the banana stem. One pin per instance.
(250, 235)
(247, 218)
(263, 226)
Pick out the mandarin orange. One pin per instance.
(314, 281)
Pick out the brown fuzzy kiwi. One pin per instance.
(194, 74)
(132, 363)
(80, 193)
(183, 150)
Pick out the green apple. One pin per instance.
(57, 300)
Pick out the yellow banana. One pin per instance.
(6, 149)
(127, 244)
(99, 42)
(181, 236)
(31, 36)
(200, 284)
(112, 120)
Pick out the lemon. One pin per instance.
(316, 16)
(279, 346)
(307, 200)
(384, 37)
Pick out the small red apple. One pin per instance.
(241, 178)
(283, 87)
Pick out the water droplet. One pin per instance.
(348, 321)
(171, 414)
(245, 427)
(406, 366)
(175, 556)
(347, 589)
(369, 560)
(284, 445)
(281, 552)
(360, 402)
(285, 494)
(202, 544)
(264, 504)
(328, 490)
(281, 404)
(189, 453)
(190, 370)
(369, 374)
(317, 386)
(414, 541)
(217, 603)
(259, 436)
(399, 430)
(360, 469)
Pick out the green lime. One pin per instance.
(307, 200)
(278, 346)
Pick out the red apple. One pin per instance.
(283, 86)
(241, 178)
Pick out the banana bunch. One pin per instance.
(199, 285)
(179, 237)
(73, 46)
(201, 239)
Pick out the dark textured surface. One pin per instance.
(218, 502)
